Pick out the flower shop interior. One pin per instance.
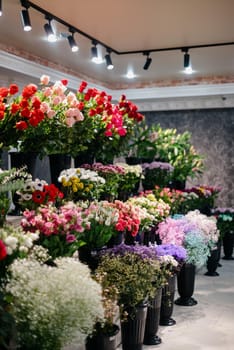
(116, 175)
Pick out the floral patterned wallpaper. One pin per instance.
(212, 136)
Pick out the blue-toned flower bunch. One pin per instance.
(197, 248)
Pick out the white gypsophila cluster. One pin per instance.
(54, 305)
(82, 174)
(15, 239)
(39, 253)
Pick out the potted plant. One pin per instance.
(177, 150)
(141, 145)
(112, 173)
(156, 174)
(129, 182)
(132, 269)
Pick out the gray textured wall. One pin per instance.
(212, 136)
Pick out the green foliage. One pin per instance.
(132, 276)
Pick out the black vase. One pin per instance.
(133, 328)
(228, 241)
(152, 320)
(133, 160)
(89, 257)
(213, 261)
(58, 162)
(167, 303)
(185, 284)
(115, 240)
(19, 159)
(103, 341)
(83, 158)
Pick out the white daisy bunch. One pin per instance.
(30, 186)
(53, 306)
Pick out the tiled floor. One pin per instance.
(210, 324)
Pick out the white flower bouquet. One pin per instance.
(53, 306)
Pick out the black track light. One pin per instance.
(26, 20)
(49, 30)
(72, 42)
(186, 57)
(25, 16)
(148, 60)
(0, 7)
(94, 52)
(109, 64)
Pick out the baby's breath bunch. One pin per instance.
(53, 306)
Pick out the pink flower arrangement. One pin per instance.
(58, 228)
(129, 219)
(173, 230)
(207, 224)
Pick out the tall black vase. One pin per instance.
(133, 329)
(152, 320)
(228, 242)
(83, 158)
(167, 303)
(103, 341)
(19, 159)
(185, 284)
(213, 261)
(58, 162)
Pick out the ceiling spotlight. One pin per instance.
(25, 16)
(94, 52)
(186, 57)
(51, 37)
(109, 64)
(148, 60)
(72, 42)
(0, 7)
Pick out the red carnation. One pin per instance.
(4, 91)
(13, 89)
(14, 108)
(22, 125)
(25, 113)
(64, 82)
(82, 86)
(29, 91)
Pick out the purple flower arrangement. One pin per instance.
(156, 174)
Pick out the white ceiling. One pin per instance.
(127, 25)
